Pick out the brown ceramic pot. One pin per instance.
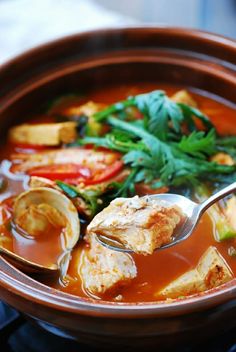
(94, 59)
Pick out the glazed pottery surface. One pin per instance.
(95, 59)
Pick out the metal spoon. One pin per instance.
(192, 210)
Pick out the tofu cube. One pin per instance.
(211, 271)
(182, 96)
(49, 134)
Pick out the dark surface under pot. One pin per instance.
(19, 335)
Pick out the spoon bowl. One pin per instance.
(192, 211)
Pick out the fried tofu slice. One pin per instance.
(223, 159)
(182, 96)
(48, 134)
(105, 271)
(88, 109)
(141, 224)
(211, 271)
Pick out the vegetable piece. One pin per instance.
(157, 109)
(222, 159)
(49, 134)
(89, 195)
(170, 159)
(230, 211)
(75, 174)
(190, 112)
(62, 172)
(106, 174)
(226, 145)
(199, 144)
(96, 197)
(24, 147)
(165, 161)
(70, 191)
(224, 230)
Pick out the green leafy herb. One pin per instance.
(90, 196)
(166, 147)
(229, 141)
(172, 164)
(158, 110)
(189, 112)
(160, 113)
(199, 144)
(227, 145)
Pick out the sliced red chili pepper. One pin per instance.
(62, 172)
(99, 176)
(107, 173)
(25, 146)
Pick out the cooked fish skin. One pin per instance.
(48, 134)
(211, 271)
(141, 224)
(105, 271)
(84, 157)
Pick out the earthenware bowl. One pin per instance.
(178, 56)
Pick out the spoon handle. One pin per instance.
(217, 196)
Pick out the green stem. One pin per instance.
(126, 126)
(113, 109)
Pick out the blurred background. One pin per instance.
(26, 23)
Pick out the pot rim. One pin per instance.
(177, 30)
(31, 290)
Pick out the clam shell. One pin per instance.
(63, 205)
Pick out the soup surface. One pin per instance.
(155, 271)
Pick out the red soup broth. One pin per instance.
(157, 270)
